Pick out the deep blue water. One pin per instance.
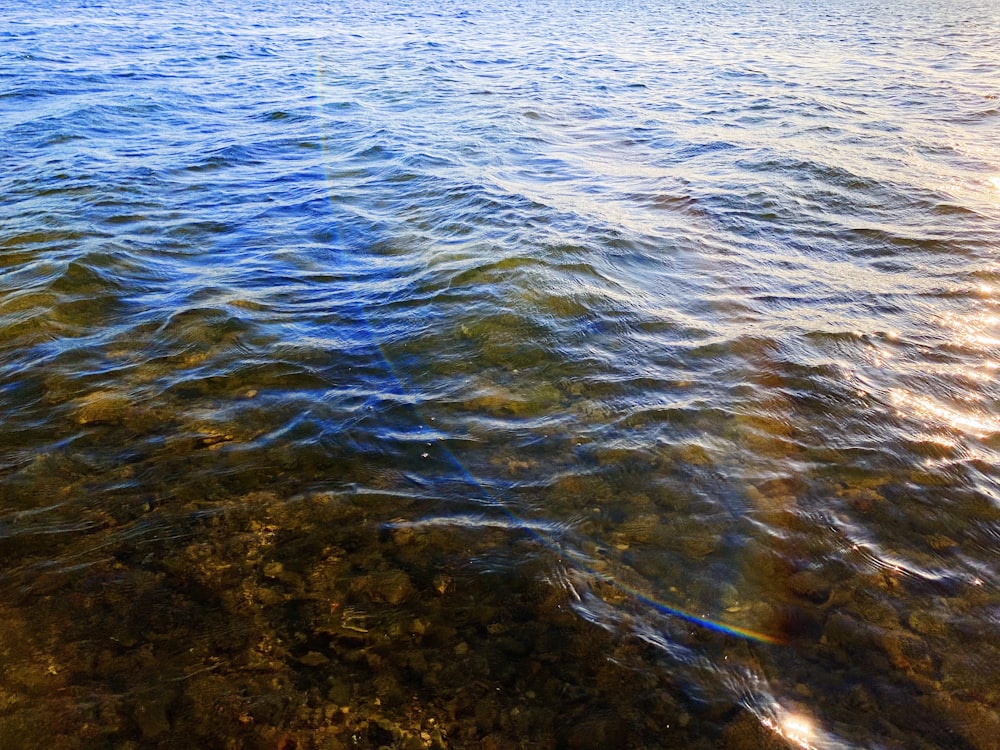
(556, 374)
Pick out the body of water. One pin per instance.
(565, 374)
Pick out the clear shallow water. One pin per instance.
(555, 375)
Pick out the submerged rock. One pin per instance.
(107, 407)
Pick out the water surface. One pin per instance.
(487, 375)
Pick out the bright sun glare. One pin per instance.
(795, 727)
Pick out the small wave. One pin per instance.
(484, 522)
(925, 408)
